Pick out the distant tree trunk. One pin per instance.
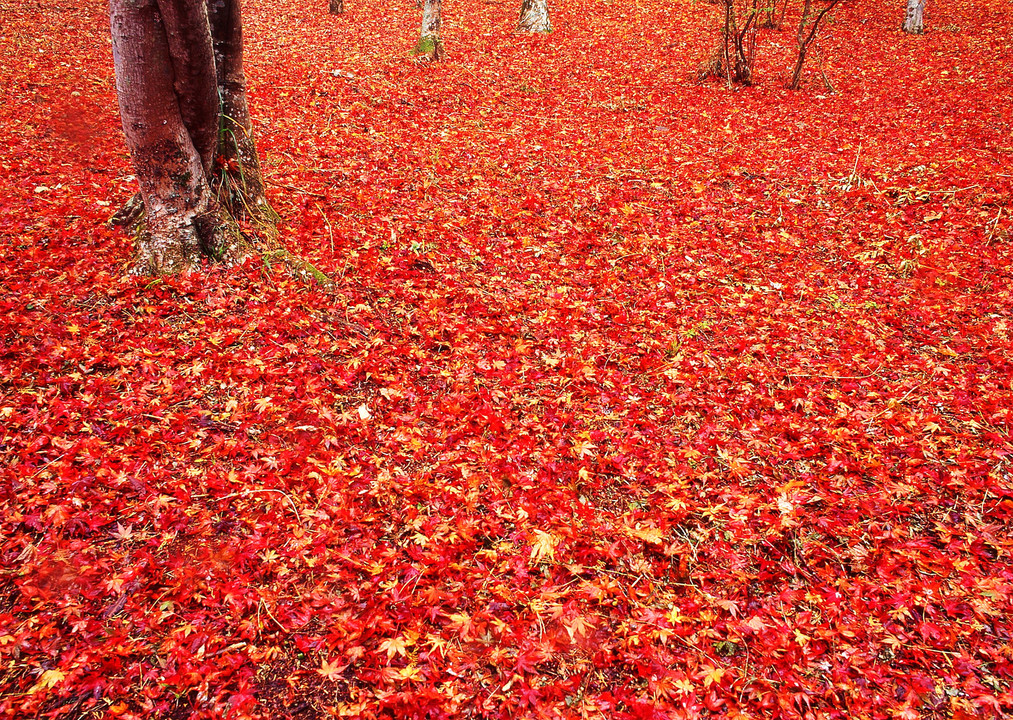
(772, 15)
(430, 45)
(735, 57)
(182, 98)
(914, 17)
(534, 16)
(808, 27)
(337, 7)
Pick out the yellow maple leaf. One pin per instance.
(437, 644)
(543, 547)
(654, 536)
(410, 673)
(394, 646)
(712, 675)
(47, 680)
(730, 605)
(331, 670)
(578, 626)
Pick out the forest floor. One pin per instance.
(634, 397)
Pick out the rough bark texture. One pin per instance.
(337, 7)
(169, 168)
(534, 16)
(914, 17)
(181, 91)
(193, 64)
(430, 45)
(236, 148)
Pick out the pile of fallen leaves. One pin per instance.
(634, 397)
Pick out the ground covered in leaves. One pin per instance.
(634, 397)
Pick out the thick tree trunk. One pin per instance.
(430, 44)
(534, 16)
(193, 63)
(181, 91)
(914, 17)
(337, 7)
(177, 196)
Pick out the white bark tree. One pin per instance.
(430, 45)
(534, 16)
(182, 98)
(914, 17)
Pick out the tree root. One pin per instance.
(130, 214)
(221, 240)
(297, 265)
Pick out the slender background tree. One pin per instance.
(534, 16)
(808, 28)
(430, 45)
(914, 17)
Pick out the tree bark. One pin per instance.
(193, 63)
(808, 27)
(534, 16)
(914, 17)
(337, 7)
(181, 92)
(430, 45)
(236, 148)
(169, 167)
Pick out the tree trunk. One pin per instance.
(430, 45)
(736, 55)
(534, 16)
(337, 7)
(913, 17)
(169, 167)
(181, 93)
(808, 27)
(236, 149)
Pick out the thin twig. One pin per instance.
(954, 273)
(995, 226)
(623, 257)
(330, 230)
(244, 493)
(270, 615)
(294, 189)
(837, 377)
(47, 465)
(889, 408)
(952, 192)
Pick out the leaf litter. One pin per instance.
(633, 397)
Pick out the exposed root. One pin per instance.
(301, 267)
(130, 214)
